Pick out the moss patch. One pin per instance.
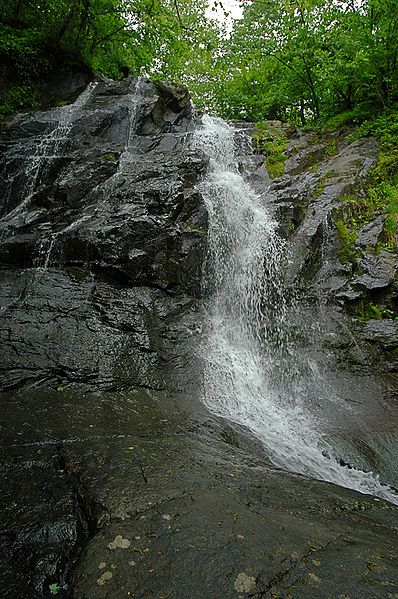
(348, 252)
(78, 273)
(109, 157)
(272, 142)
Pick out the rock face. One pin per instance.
(97, 238)
(102, 244)
(117, 481)
(312, 200)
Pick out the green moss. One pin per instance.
(272, 142)
(385, 246)
(348, 252)
(320, 187)
(275, 168)
(331, 148)
(360, 210)
(63, 103)
(78, 272)
(109, 156)
(194, 229)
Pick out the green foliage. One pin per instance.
(381, 189)
(20, 96)
(109, 37)
(349, 118)
(367, 310)
(309, 60)
(380, 200)
(383, 178)
(384, 127)
(301, 61)
(54, 588)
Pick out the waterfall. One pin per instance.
(134, 99)
(250, 373)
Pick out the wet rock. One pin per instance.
(369, 235)
(383, 335)
(234, 527)
(89, 210)
(327, 266)
(307, 202)
(101, 245)
(303, 155)
(378, 271)
(385, 331)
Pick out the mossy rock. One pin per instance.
(79, 273)
(109, 157)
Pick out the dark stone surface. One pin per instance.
(308, 200)
(174, 501)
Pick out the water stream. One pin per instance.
(47, 149)
(251, 375)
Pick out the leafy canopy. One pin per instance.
(297, 60)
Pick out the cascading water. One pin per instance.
(48, 149)
(103, 191)
(250, 375)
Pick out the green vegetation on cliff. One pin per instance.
(380, 194)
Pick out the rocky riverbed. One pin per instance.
(117, 480)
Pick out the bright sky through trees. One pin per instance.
(232, 7)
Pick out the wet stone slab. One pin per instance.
(166, 500)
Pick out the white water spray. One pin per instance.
(247, 342)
